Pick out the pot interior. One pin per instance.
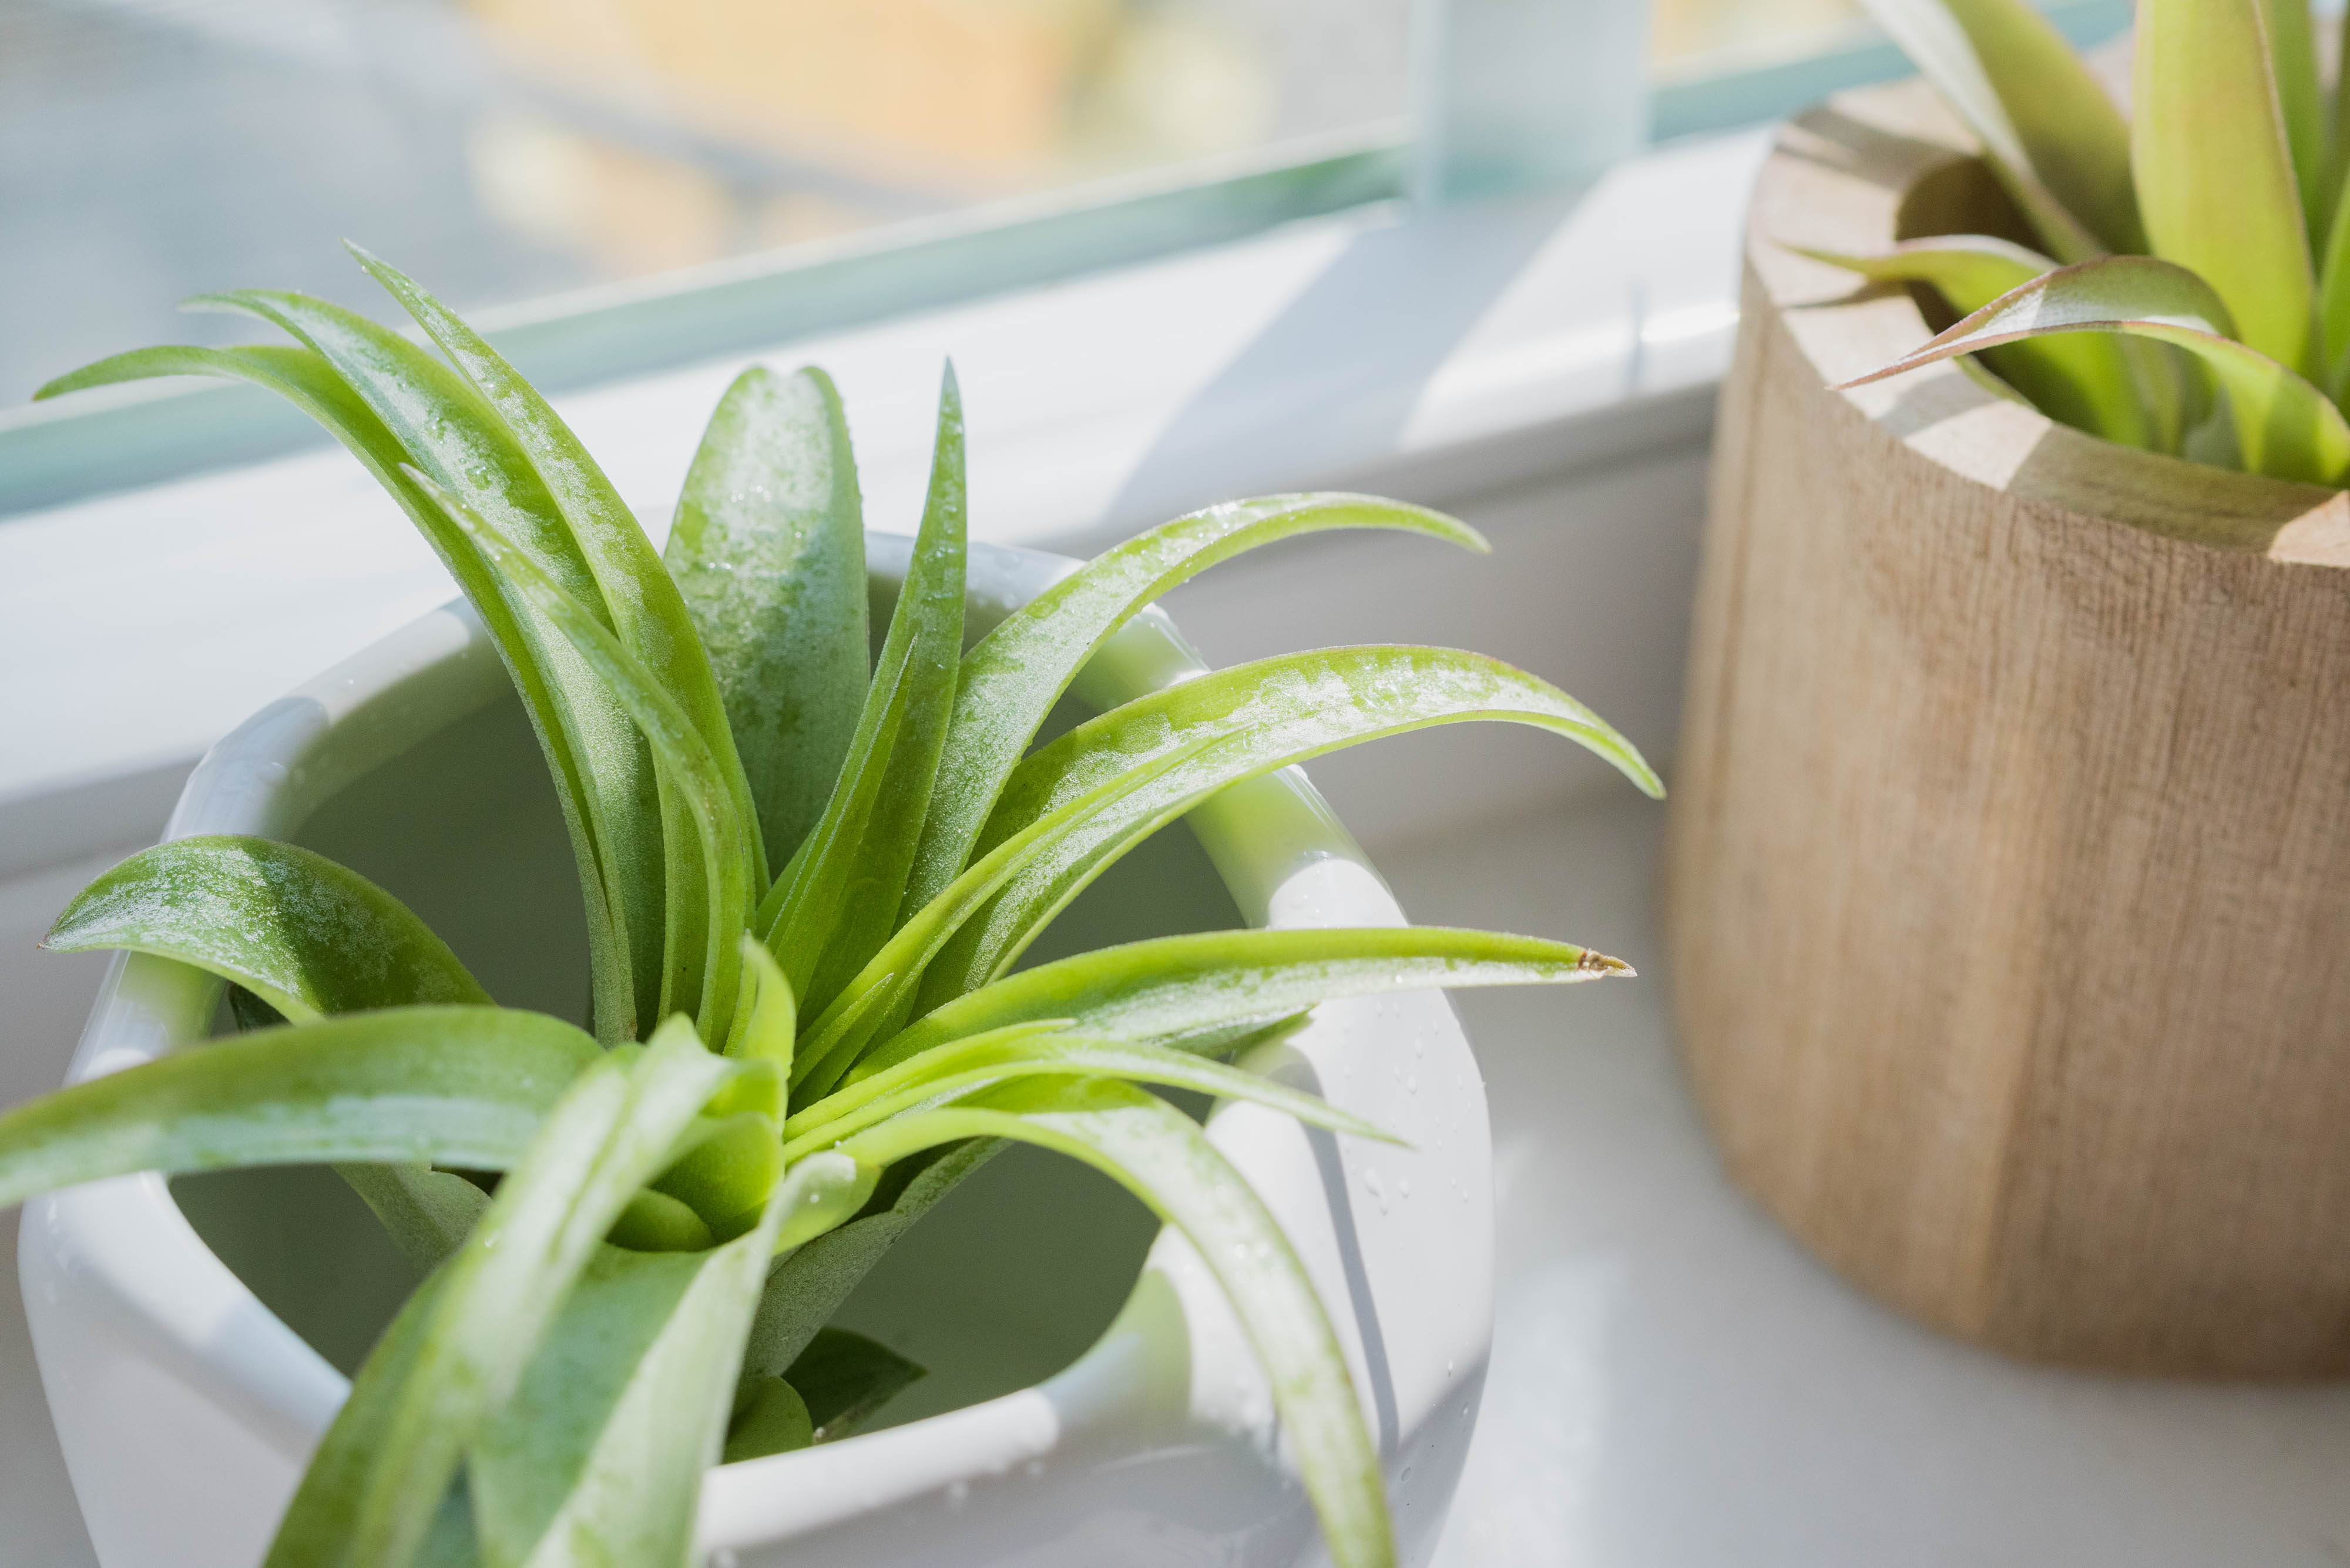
(1008, 1280)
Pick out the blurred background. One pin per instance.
(1705, 38)
(504, 150)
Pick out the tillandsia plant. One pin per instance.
(2189, 288)
(809, 874)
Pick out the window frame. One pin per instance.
(1474, 94)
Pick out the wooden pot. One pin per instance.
(2010, 866)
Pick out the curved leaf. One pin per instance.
(840, 900)
(308, 939)
(428, 1213)
(1012, 679)
(2215, 177)
(649, 614)
(448, 432)
(1184, 744)
(770, 1022)
(1169, 987)
(548, 689)
(1160, 1156)
(844, 1379)
(964, 1066)
(466, 1086)
(2056, 138)
(600, 1453)
(770, 1418)
(497, 1298)
(826, 1192)
(2333, 299)
(2284, 427)
(2337, 148)
(313, 1532)
(633, 591)
(2082, 379)
(869, 1002)
(703, 969)
(808, 1285)
(2293, 65)
(307, 935)
(768, 549)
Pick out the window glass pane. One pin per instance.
(1700, 36)
(504, 150)
(1716, 63)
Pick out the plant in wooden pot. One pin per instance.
(806, 881)
(2008, 877)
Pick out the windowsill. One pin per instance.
(1483, 348)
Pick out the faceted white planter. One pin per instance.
(186, 1407)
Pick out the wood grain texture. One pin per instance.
(2008, 877)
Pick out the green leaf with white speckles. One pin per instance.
(307, 935)
(568, 720)
(768, 549)
(1032, 1050)
(377, 1483)
(1010, 682)
(1070, 811)
(840, 900)
(467, 1087)
(600, 1454)
(1160, 1155)
(1175, 988)
(703, 967)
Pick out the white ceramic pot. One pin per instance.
(187, 1408)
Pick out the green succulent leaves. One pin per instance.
(2054, 137)
(768, 550)
(2215, 175)
(303, 934)
(2082, 379)
(1012, 679)
(466, 1086)
(808, 878)
(2283, 426)
(1160, 1156)
(2225, 178)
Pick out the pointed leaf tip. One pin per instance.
(2285, 427)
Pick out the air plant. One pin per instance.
(809, 874)
(2190, 291)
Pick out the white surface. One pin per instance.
(1676, 1385)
